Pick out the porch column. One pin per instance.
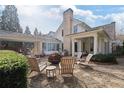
(110, 47)
(95, 43)
(37, 48)
(79, 45)
(73, 47)
(40, 48)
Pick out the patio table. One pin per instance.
(51, 71)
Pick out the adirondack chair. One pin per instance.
(34, 66)
(66, 65)
(79, 56)
(85, 60)
(88, 57)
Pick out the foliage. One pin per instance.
(13, 69)
(36, 32)
(119, 51)
(10, 20)
(104, 58)
(54, 58)
(27, 30)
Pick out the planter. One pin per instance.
(54, 58)
(55, 61)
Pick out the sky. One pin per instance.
(48, 17)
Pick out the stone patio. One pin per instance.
(85, 76)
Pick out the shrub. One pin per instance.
(54, 58)
(13, 69)
(104, 58)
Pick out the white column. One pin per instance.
(73, 47)
(79, 45)
(95, 44)
(35, 48)
(41, 51)
(110, 46)
(100, 46)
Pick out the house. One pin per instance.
(44, 44)
(120, 40)
(77, 36)
(72, 35)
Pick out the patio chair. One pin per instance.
(34, 66)
(79, 56)
(87, 59)
(66, 65)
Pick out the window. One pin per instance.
(75, 29)
(62, 33)
(50, 46)
(44, 46)
(57, 47)
(106, 47)
(75, 46)
(83, 46)
(62, 46)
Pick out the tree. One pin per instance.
(0, 23)
(27, 30)
(20, 30)
(10, 20)
(35, 32)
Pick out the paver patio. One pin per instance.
(89, 76)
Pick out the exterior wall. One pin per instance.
(102, 47)
(52, 41)
(81, 27)
(58, 33)
(110, 30)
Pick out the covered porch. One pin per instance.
(22, 38)
(96, 41)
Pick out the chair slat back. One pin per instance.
(67, 65)
(88, 57)
(79, 55)
(33, 64)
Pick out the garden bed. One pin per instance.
(104, 59)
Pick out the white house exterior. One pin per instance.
(77, 36)
(72, 35)
(42, 44)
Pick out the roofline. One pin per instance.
(85, 32)
(59, 27)
(104, 25)
(82, 22)
(67, 10)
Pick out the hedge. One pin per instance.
(104, 58)
(13, 69)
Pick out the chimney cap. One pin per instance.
(69, 9)
(113, 22)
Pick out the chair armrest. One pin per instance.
(59, 66)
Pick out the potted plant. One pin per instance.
(54, 58)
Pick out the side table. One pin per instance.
(51, 71)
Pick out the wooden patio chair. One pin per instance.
(88, 57)
(85, 60)
(34, 66)
(79, 56)
(66, 65)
